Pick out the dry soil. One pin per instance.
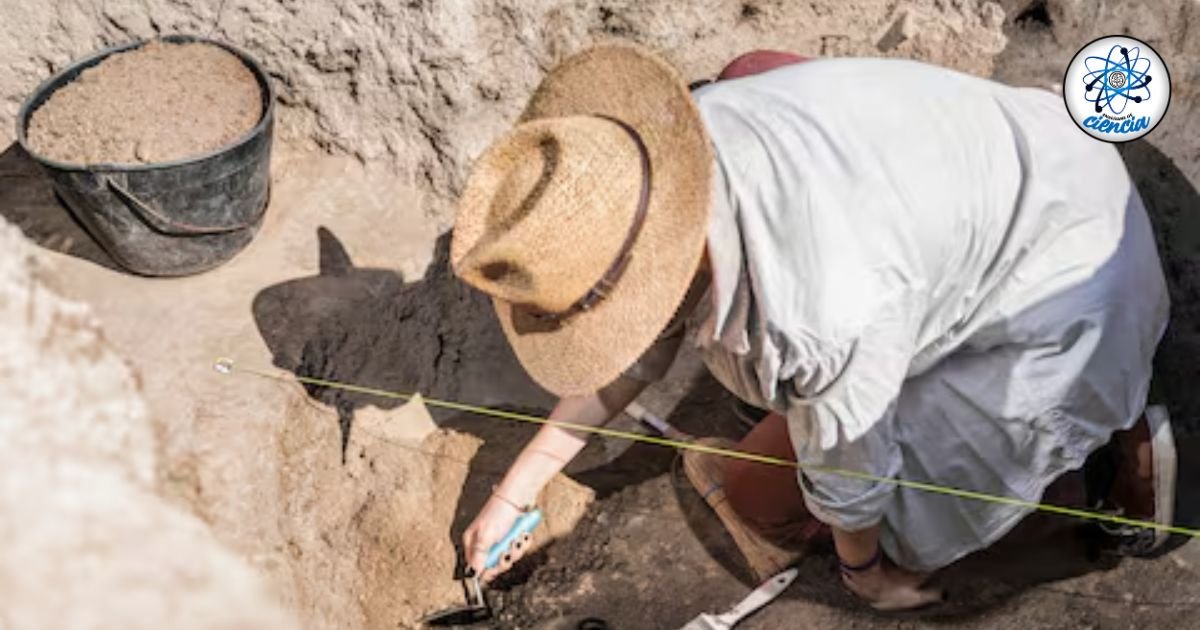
(157, 103)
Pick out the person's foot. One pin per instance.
(1144, 485)
(889, 588)
(705, 471)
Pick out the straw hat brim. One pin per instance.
(591, 349)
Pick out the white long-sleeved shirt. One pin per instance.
(936, 277)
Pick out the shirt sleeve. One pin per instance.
(848, 425)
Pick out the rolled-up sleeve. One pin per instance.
(844, 501)
(847, 423)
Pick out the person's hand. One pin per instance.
(887, 587)
(492, 524)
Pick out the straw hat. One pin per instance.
(587, 222)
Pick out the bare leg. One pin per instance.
(768, 497)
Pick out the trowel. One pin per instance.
(476, 609)
(760, 597)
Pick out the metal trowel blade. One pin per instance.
(476, 609)
(462, 616)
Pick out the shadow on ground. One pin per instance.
(1174, 208)
(27, 200)
(371, 328)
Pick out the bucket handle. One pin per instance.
(166, 225)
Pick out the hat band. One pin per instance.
(604, 286)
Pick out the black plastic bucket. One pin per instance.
(171, 218)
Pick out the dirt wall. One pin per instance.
(427, 84)
(85, 541)
(1045, 34)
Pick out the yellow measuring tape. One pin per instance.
(228, 366)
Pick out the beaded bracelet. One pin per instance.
(869, 564)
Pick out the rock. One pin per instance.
(991, 14)
(901, 30)
(409, 424)
(835, 46)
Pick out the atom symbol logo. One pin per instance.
(1119, 77)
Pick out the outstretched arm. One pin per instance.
(543, 458)
(553, 447)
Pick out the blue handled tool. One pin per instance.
(477, 609)
(525, 524)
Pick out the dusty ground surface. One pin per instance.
(412, 90)
(157, 103)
